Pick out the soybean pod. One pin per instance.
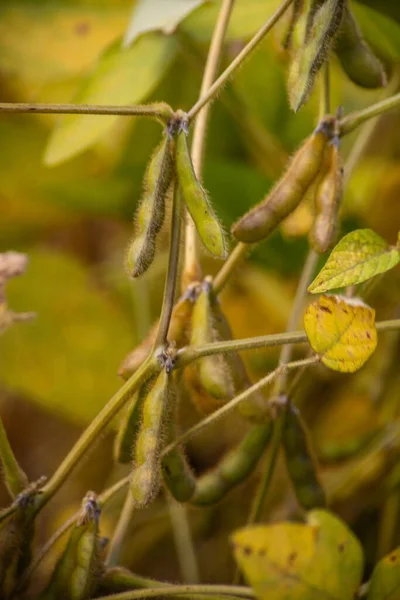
(328, 195)
(196, 199)
(176, 472)
(304, 168)
(299, 461)
(151, 212)
(356, 58)
(80, 568)
(124, 445)
(234, 468)
(146, 477)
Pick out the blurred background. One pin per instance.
(69, 187)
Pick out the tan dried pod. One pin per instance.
(304, 168)
(328, 197)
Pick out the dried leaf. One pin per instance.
(358, 256)
(342, 331)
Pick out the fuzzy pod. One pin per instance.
(177, 474)
(300, 462)
(287, 194)
(356, 58)
(328, 196)
(79, 569)
(124, 444)
(146, 474)
(177, 334)
(319, 37)
(213, 372)
(151, 212)
(234, 468)
(297, 9)
(197, 202)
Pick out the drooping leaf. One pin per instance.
(320, 559)
(358, 256)
(67, 358)
(153, 15)
(385, 580)
(122, 76)
(342, 331)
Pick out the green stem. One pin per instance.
(160, 111)
(172, 271)
(237, 255)
(237, 400)
(236, 63)
(355, 119)
(120, 531)
(183, 541)
(100, 422)
(175, 590)
(15, 479)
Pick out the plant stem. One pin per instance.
(355, 119)
(183, 541)
(174, 590)
(14, 477)
(158, 111)
(214, 89)
(235, 401)
(89, 436)
(120, 531)
(191, 269)
(102, 500)
(325, 96)
(236, 256)
(172, 271)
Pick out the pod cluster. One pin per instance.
(171, 165)
(318, 27)
(315, 168)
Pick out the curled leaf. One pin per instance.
(342, 331)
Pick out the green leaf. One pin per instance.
(67, 358)
(153, 15)
(358, 256)
(122, 76)
(320, 559)
(385, 580)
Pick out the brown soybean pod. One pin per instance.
(356, 57)
(261, 220)
(234, 468)
(328, 195)
(151, 212)
(299, 461)
(146, 477)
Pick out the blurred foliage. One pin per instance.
(74, 220)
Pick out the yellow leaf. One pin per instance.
(318, 560)
(342, 331)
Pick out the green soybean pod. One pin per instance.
(299, 461)
(328, 195)
(177, 474)
(320, 34)
(124, 444)
(234, 468)
(151, 212)
(356, 58)
(197, 201)
(145, 477)
(213, 371)
(287, 194)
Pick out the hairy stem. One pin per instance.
(92, 432)
(183, 541)
(175, 590)
(235, 64)
(191, 269)
(172, 271)
(159, 111)
(237, 255)
(355, 119)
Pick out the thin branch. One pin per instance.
(191, 269)
(237, 255)
(157, 111)
(355, 119)
(214, 89)
(120, 531)
(175, 590)
(172, 271)
(182, 534)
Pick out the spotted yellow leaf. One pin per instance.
(318, 560)
(358, 256)
(342, 331)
